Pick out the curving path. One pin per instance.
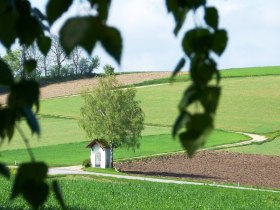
(255, 138)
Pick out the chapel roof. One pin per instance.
(101, 143)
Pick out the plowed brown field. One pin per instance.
(214, 166)
(75, 86)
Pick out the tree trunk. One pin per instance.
(111, 155)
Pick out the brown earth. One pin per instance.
(76, 86)
(214, 166)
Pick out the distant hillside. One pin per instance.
(76, 86)
(226, 73)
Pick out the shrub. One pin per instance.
(87, 163)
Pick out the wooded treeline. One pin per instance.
(56, 65)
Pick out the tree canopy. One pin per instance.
(112, 114)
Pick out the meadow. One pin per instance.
(268, 148)
(90, 192)
(248, 103)
(76, 152)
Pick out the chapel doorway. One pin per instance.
(98, 160)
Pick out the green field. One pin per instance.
(226, 73)
(268, 148)
(89, 192)
(76, 153)
(60, 131)
(248, 103)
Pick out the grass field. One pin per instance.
(89, 192)
(75, 153)
(248, 104)
(227, 73)
(60, 131)
(268, 148)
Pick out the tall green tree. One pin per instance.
(13, 58)
(112, 114)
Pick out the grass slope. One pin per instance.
(227, 73)
(89, 192)
(268, 148)
(75, 153)
(247, 104)
(61, 131)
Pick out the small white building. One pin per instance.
(99, 154)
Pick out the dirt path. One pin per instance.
(77, 170)
(255, 138)
(214, 166)
(75, 86)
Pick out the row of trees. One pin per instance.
(56, 64)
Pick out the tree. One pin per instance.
(76, 58)
(108, 70)
(13, 58)
(112, 114)
(33, 53)
(88, 65)
(57, 55)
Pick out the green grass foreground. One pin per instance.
(90, 192)
(75, 153)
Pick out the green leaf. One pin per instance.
(7, 123)
(29, 65)
(31, 120)
(80, 31)
(194, 4)
(218, 76)
(24, 94)
(220, 40)
(44, 43)
(211, 17)
(210, 98)
(8, 21)
(112, 42)
(29, 29)
(4, 170)
(6, 78)
(178, 68)
(179, 11)
(180, 122)
(197, 40)
(189, 141)
(58, 194)
(202, 69)
(200, 123)
(102, 7)
(197, 129)
(56, 8)
(190, 95)
(30, 183)
(38, 14)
